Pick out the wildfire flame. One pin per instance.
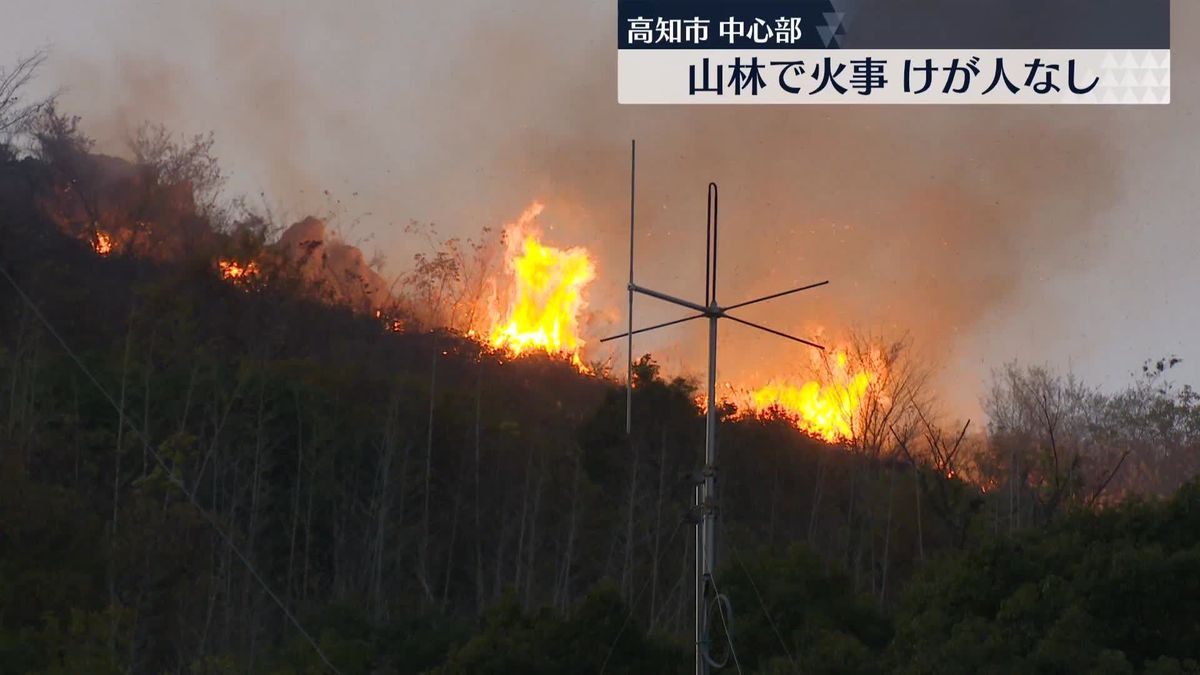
(102, 243)
(394, 323)
(547, 294)
(238, 273)
(825, 410)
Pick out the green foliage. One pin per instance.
(793, 614)
(355, 643)
(1106, 590)
(597, 635)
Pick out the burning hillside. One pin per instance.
(536, 303)
(827, 408)
(546, 308)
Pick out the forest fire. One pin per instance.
(544, 311)
(547, 295)
(238, 273)
(826, 410)
(102, 243)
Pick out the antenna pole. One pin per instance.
(706, 554)
(705, 491)
(629, 334)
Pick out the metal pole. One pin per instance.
(705, 489)
(701, 664)
(710, 455)
(629, 340)
(706, 555)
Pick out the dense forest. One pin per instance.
(229, 446)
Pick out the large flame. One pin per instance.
(547, 294)
(827, 410)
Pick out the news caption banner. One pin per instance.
(890, 52)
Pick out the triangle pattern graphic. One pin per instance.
(826, 34)
(845, 10)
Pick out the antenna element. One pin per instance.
(707, 595)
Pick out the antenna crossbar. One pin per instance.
(706, 487)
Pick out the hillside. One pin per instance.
(215, 472)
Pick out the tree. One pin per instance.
(1056, 433)
(597, 636)
(183, 161)
(15, 111)
(1159, 422)
(1092, 590)
(794, 615)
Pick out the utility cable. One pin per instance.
(174, 479)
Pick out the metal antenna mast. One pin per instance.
(706, 488)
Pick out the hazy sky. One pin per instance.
(1054, 235)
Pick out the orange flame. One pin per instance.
(391, 322)
(825, 410)
(102, 244)
(547, 296)
(238, 273)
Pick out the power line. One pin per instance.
(761, 603)
(637, 598)
(172, 477)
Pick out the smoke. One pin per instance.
(338, 270)
(926, 220)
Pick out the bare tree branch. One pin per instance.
(14, 112)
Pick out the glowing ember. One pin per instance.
(102, 244)
(238, 273)
(825, 410)
(547, 295)
(390, 322)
